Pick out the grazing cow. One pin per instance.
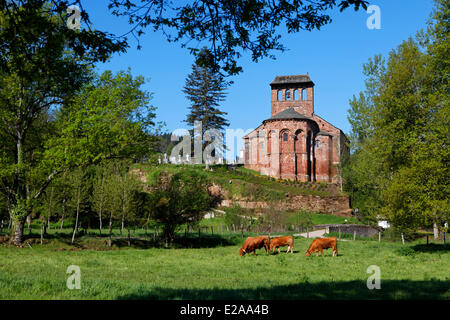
(281, 242)
(322, 243)
(253, 243)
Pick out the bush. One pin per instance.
(179, 199)
(232, 215)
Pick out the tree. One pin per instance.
(134, 200)
(113, 201)
(99, 194)
(48, 209)
(400, 165)
(361, 172)
(179, 198)
(205, 89)
(79, 195)
(42, 64)
(109, 118)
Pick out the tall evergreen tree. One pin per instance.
(205, 88)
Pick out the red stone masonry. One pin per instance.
(295, 143)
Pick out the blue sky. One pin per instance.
(333, 57)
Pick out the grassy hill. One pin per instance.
(242, 183)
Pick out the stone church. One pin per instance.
(294, 143)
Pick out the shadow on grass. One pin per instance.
(209, 241)
(432, 247)
(284, 252)
(338, 290)
(86, 241)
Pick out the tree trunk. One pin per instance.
(43, 230)
(100, 220)
(29, 224)
(63, 211)
(63, 203)
(123, 222)
(18, 217)
(435, 230)
(101, 207)
(17, 231)
(110, 230)
(10, 221)
(75, 229)
(129, 238)
(62, 220)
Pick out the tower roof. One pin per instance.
(288, 114)
(294, 79)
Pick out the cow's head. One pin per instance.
(241, 252)
(307, 253)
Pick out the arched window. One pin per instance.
(279, 95)
(296, 94)
(285, 136)
(288, 95)
(304, 94)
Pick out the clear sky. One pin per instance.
(333, 57)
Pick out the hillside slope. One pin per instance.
(249, 189)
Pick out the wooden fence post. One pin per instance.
(307, 233)
(354, 235)
(379, 236)
(403, 239)
(339, 233)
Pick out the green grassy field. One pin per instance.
(212, 269)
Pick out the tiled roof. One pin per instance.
(301, 78)
(289, 113)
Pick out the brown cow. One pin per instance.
(322, 243)
(281, 242)
(253, 243)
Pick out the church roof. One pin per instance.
(295, 79)
(288, 114)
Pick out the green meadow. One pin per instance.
(210, 267)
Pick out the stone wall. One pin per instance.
(361, 230)
(337, 205)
